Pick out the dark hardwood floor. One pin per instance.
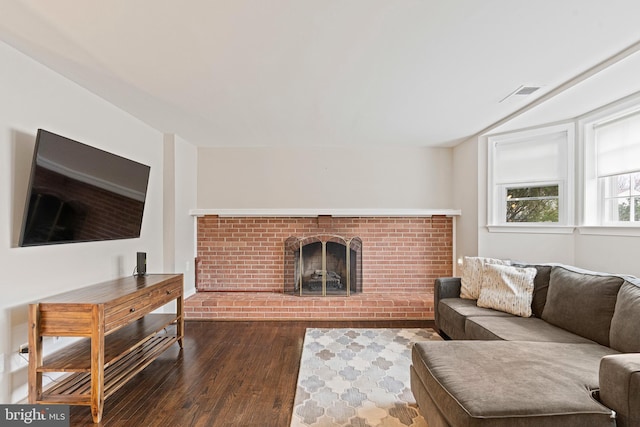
(228, 374)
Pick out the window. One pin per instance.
(533, 204)
(531, 178)
(612, 168)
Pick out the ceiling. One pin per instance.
(327, 72)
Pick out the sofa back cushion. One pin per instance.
(540, 286)
(582, 302)
(625, 324)
(540, 289)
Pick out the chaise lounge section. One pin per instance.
(570, 359)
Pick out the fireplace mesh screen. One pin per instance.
(323, 265)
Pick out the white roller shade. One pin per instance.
(618, 146)
(541, 158)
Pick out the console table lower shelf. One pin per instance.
(75, 388)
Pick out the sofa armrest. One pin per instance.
(447, 287)
(444, 287)
(620, 387)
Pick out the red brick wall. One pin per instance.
(247, 253)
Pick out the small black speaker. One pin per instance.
(141, 266)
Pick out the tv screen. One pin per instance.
(78, 193)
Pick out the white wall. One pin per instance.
(608, 253)
(465, 195)
(325, 177)
(529, 247)
(35, 97)
(185, 160)
(180, 158)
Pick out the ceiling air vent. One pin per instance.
(526, 90)
(522, 91)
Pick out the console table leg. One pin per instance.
(97, 364)
(180, 315)
(96, 412)
(35, 354)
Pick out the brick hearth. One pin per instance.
(272, 306)
(240, 267)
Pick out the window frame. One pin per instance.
(497, 192)
(592, 215)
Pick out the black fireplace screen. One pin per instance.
(323, 265)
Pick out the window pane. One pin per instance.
(624, 183)
(533, 204)
(624, 209)
(548, 191)
(545, 210)
(622, 198)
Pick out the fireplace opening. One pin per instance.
(324, 265)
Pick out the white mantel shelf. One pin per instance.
(331, 212)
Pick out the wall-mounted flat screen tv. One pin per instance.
(78, 193)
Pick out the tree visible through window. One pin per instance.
(533, 204)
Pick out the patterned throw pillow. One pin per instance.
(472, 271)
(508, 289)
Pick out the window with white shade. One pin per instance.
(612, 169)
(531, 178)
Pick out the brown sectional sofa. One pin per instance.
(574, 362)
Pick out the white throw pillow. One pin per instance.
(508, 289)
(472, 271)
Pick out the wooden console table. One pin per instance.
(121, 337)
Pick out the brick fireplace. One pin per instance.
(242, 269)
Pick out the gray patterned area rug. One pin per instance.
(357, 377)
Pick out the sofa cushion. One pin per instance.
(625, 324)
(582, 302)
(428, 408)
(452, 313)
(508, 289)
(514, 328)
(511, 383)
(540, 287)
(620, 386)
(472, 270)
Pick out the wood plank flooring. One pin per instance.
(229, 374)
